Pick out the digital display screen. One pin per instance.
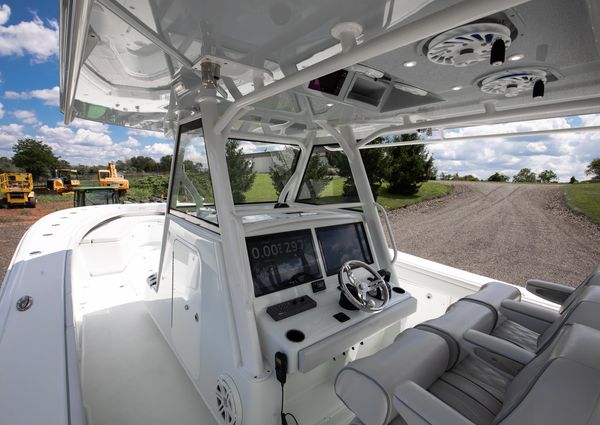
(282, 260)
(330, 83)
(343, 243)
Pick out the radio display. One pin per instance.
(282, 260)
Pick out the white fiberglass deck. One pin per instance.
(129, 373)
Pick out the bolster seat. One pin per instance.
(531, 327)
(559, 386)
(422, 355)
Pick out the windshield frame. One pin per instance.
(183, 129)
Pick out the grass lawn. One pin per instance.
(584, 198)
(55, 198)
(262, 189)
(428, 190)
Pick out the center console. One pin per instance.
(297, 294)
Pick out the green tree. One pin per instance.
(35, 157)
(573, 180)
(375, 167)
(316, 177)
(497, 177)
(142, 163)
(593, 169)
(525, 175)
(548, 176)
(6, 165)
(164, 164)
(63, 163)
(283, 167)
(241, 175)
(408, 166)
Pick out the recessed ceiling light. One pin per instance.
(409, 64)
(516, 57)
(329, 105)
(456, 88)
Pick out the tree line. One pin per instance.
(37, 158)
(526, 175)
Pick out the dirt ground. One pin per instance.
(509, 232)
(14, 222)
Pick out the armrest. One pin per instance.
(497, 352)
(419, 407)
(533, 317)
(553, 292)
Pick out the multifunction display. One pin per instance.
(343, 243)
(282, 260)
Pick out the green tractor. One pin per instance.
(98, 195)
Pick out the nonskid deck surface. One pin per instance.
(130, 375)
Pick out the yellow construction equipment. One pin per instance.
(64, 180)
(111, 178)
(16, 189)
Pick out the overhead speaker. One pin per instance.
(467, 45)
(512, 82)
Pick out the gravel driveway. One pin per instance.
(506, 231)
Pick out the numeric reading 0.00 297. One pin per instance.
(268, 250)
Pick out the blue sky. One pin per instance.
(29, 79)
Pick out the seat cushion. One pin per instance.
(517, 334)
(473, 389)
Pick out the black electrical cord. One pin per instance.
(284, 415)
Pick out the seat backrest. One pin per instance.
(561, 385)
(585, 309)
(459, 318)
(593, 279)
(366, 386)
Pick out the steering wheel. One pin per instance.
(362, 299)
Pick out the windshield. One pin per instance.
(259, 171)
(192, 191)
(328, 178)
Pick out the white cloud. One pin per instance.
(89, 125)
(130, 143)
(80, 144)
(1, 111)
(567, 154)
(9, 134)
(82, 137)
(160, 149)
(26, 117)
(146, 133)
(49, 96)
(4, 14)
(36, 38)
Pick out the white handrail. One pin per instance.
(389, 229)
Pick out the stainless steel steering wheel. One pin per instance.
(363, 300)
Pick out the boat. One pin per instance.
(216, 309)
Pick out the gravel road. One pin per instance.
(506, 231)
